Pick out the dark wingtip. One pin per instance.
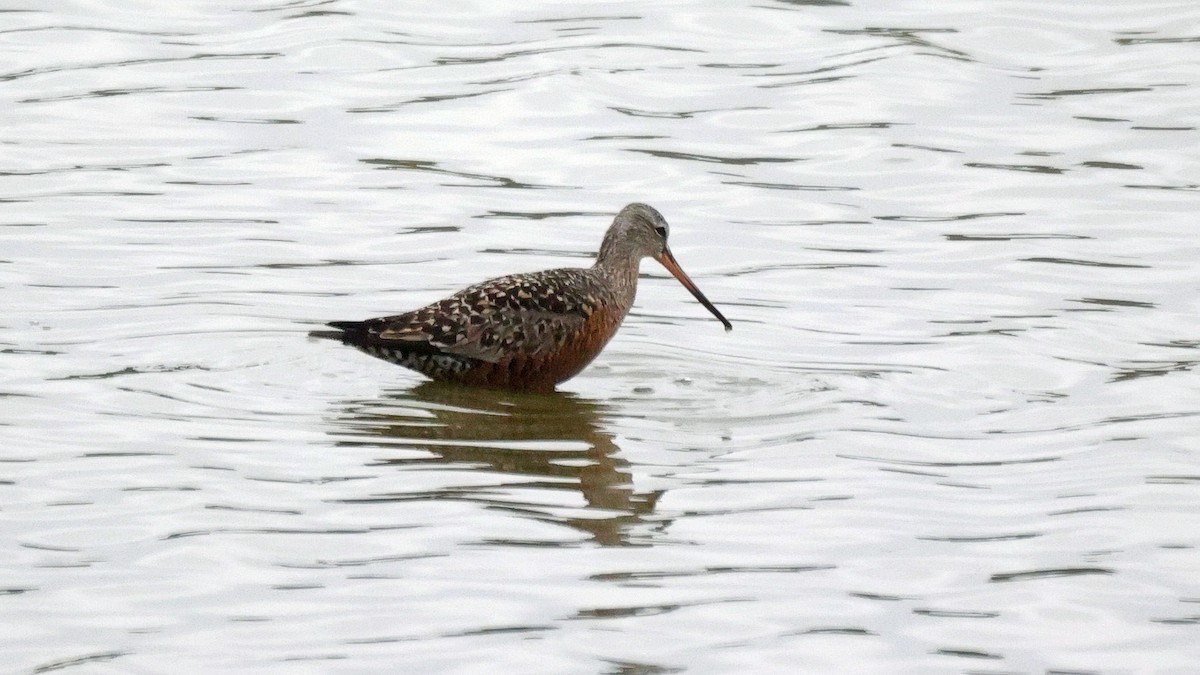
(345, 330)
(327, 334)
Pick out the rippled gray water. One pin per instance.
(956, 427)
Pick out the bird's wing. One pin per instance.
(525, 314)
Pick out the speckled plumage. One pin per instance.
(524, 331)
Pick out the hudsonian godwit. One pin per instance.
(525, 331)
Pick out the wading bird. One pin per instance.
(525, 331)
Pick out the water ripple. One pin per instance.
(952, 426)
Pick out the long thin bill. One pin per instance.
(668, 261)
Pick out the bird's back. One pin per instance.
(525, 331)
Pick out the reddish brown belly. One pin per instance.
(542, 371)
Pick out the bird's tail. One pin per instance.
(344, 333)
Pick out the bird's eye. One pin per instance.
(661, 231)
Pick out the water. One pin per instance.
(955, 427)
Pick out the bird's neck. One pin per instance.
(614, 249)
(618, 271)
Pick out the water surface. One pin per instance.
(954, 429)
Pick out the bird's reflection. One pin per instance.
(550, 442)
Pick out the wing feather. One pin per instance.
(527, 314)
